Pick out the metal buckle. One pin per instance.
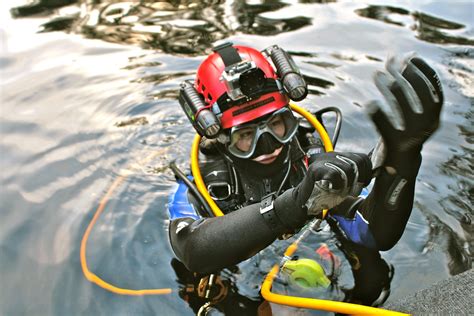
(266, 204)
(212, 288)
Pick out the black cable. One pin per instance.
(231, 176)
(287, 172)
(337, 128)
(179, 174)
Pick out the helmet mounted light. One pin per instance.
(289, 73)
(203, 119)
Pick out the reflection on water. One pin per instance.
(41, 7)
(458, 204)
(190, 27)
(141, 120)
(317, 82)
(77, 113)
(428, 28)
(442, 237)
(180, 27)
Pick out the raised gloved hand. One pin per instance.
(414, 93)
(331, 178)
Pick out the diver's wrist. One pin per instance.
(267, 210)
(292, 215)
(404, 164)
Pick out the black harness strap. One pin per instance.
(228, 53)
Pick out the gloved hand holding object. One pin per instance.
(329, 180)
(335, 176)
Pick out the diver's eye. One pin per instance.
(277, 125)
(245, 135)
(243, 138)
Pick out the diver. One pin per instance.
(269, 174)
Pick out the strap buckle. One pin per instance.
(269, 215)
(219, 191)
(266, 205)
(222, 46)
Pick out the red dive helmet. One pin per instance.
(237, 84)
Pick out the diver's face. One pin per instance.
(262, 140)
(247, 135)
(244, 141)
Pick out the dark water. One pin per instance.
(67, 98)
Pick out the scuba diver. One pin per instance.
(269, 175)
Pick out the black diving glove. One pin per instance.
(413, 91)
(329, 180)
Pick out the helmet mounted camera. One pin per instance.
(243, 80)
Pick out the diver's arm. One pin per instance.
(379, 220)
(413, 89)
(210, 244)
(388, 206)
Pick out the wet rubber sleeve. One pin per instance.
(210, 244)
(388, 206)
(378, 221)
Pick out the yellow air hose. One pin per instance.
(310, 303)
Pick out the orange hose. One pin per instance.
(92, 277)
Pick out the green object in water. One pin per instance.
(306, 273)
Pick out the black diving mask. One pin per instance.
(281, 124)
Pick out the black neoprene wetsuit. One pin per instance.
(374, 222)
(206, 245)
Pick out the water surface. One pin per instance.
(89, 94)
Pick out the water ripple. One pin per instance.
(63, 97)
